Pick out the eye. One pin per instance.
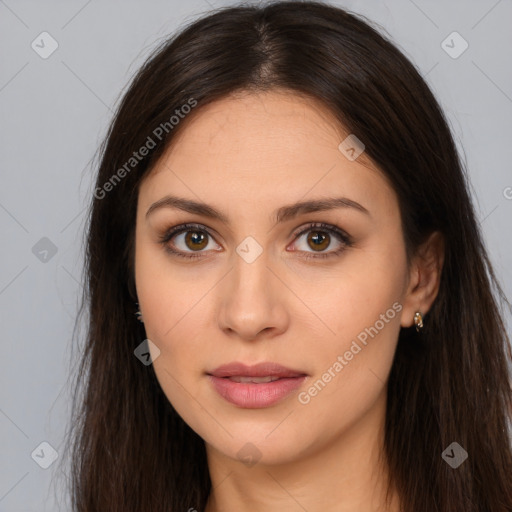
(320, 237)
(189, 239)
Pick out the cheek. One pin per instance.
(362, 313)
(176, 306)
(365, 292)
(172, 311)
(169, 296)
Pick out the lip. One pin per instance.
(249, 395)
(257, 370)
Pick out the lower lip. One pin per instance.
(255, 395)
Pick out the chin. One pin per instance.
(258, 443)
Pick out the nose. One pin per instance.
(252, 303)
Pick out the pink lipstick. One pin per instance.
(257, 386)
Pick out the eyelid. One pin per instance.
(183, 228)
(322, 226)
(345, 239)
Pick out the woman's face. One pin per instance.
(263, 285)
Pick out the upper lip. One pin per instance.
(237, 369)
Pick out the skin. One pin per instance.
(247, 155)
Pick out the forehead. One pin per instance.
(275, 120)
(271, 148)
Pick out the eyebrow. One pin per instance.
(280, 215)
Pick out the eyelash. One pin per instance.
(320, 226)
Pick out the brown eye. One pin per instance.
(188, 241)
(318, 240)
(196, 240)
(314, 240)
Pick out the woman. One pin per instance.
(280, 195)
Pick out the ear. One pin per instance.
(424, 278)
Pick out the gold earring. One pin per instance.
(418, 320)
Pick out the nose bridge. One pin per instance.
(250, 302)
(250, 275)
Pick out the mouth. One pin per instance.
(257, 386)
(254, 380)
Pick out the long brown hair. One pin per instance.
(131, 451)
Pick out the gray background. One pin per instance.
(54, 114)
